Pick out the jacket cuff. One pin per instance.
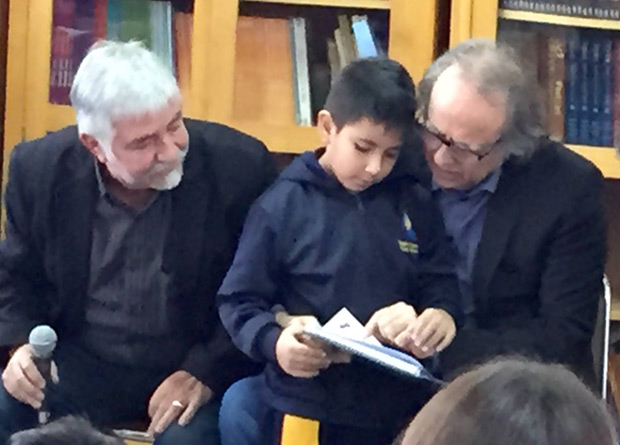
(266, 342)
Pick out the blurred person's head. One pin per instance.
(66, 431)
(513, 402)
(128, 112)
(369, 113)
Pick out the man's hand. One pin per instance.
(179, 396)
(22, 379)
(298, 354)
(389, 322)
(431, 332)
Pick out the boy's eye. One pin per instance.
(361, 149)
(391, 154)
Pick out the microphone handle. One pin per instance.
(44, 365)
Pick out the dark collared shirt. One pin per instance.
(463, 214)
(126, 320)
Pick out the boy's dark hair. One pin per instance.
(69, 430)
(513, 402)
(378, 89)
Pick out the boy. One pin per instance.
(338, 229)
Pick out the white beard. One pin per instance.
(171, 180)
(152, 179)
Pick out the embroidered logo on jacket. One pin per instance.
(410, 242)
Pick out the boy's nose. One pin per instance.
(374, 165)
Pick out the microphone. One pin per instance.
(42, 341)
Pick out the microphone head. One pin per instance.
(42, 340)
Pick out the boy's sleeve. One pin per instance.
(247, 293)
(439, 286)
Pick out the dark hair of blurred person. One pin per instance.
(69, 430)
(513, 402)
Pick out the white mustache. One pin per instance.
(167, 167)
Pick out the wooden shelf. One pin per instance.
(562, 20)
(281, 139)
(605, 158)
(362, 4)
(276, 137)
(615, 310)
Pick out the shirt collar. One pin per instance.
(100, 184)
(488, 184)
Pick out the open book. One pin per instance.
(345, 332)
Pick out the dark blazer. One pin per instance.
(44, 260)
(539, 265)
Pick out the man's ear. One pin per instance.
(327, 127)
(93, 146)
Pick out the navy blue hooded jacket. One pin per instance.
(314, 247)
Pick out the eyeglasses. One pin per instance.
(458, 150)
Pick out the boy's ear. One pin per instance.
(93, 146)
(326, 126)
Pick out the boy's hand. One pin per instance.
(284, 319)
(298, 355)
(334, 354)
(389, 322)
(431, 332)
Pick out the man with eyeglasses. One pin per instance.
(524, 212)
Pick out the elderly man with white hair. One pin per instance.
(119, 232)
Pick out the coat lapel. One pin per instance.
(192, 201)
(73, 205)
(501, 214)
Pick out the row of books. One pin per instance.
(77, 24)
(283, 70)
(579, 77)
(604, 9)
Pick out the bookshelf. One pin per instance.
(484, 18)
(367, 4)
(210, 91)
(562, 20)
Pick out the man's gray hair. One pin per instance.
(117, 80)
(493, 69)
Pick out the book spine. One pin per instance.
(183, 40)
(555, 86)
(302, 70)
(366, 46)
(572, 104)
(600, 9)
(595, 91)
(115, 18)
(616, 95)
(294, 56)
(550, 7)
(607, 94)
(585, 93)
(63, 20)
(136, 23)
(614, 9)
(588, 8)
(101, 19)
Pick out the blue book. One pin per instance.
(572, 88)
(607, 92)
(115, 17)
(585, 89)
(596, 88)
(366, 46)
